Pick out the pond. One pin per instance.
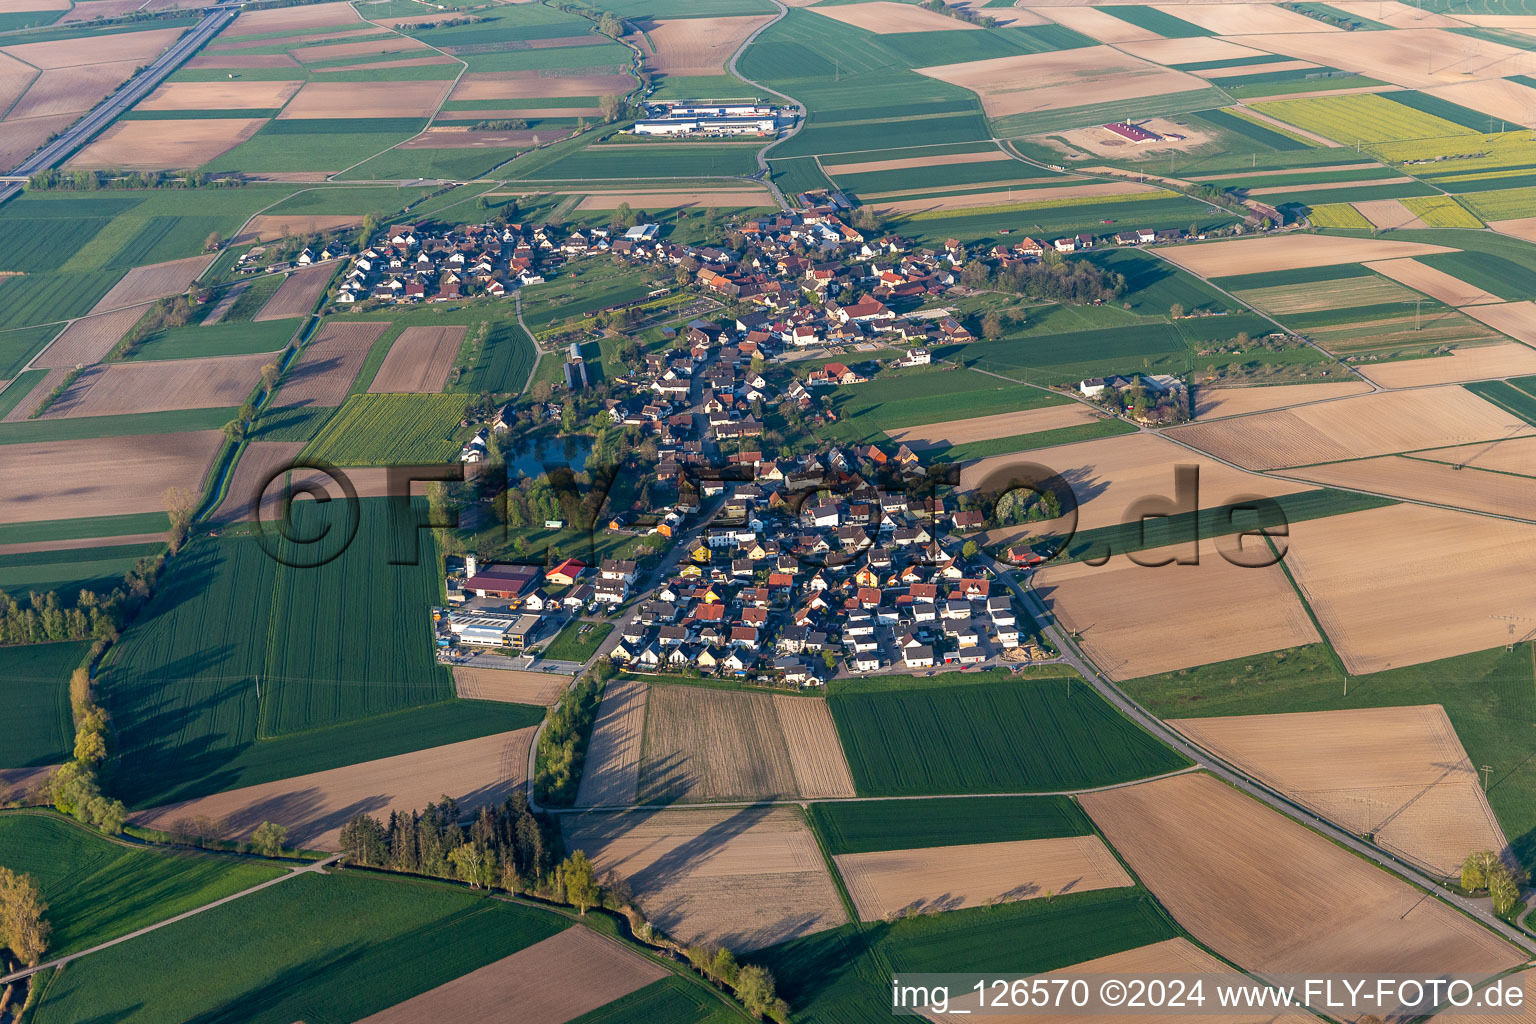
(533, 455)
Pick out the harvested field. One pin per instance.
(419, 360)
(1214, 402)
(89, 339)
(981, 428)
(550, 982)
(176, 144)
(1516, 319)
(1244, 19)
(1437, 284)
(944, 160)
(108, 475)
(538, 688)
(612, 772)
(498, 85)
(292, 19)
(941, 878)
(71, 90)
(118, 389)
(703, 744)
(1388, 772)
(1187, 51)
(268, 227)
(1440, 482)
(241, 60)
(227, 95)
(1353, 428)
(1054, 80)
(1522, 227)
(258, 462)
(743, 878)
(1270, 190)
(1291, 252)
(409, 62)
(1407, 57)
(367, 47)
(314, 807)
(1387, 214)
(1478, 362)
(1171, 956)
(1506, 103)
(1478, 567)
(140, 47)
(884, 18)
(1100, 25)
(1104, 189)
(1138, 621)
(701, 46)
(154, 281)
(815, 752)
(300, 290)
(326, 368)
(1110, 474)
(1396, 14)
(366, 99)
(1245, 69)
(1514, 456)
(1243, 879)
(698, 198)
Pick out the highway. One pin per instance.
(83, 130)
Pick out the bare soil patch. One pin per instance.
(703, 744)
(743, 878)
(701, 46)
(1437, 284)
(1136, 620)
(367, 99)
(1375, 771)
(940, 878)
(1475, 362)
(1521, 227)
(315, 807)
(1243, 879)
(258, 462)
(153, 281)
(141, 47)
(1065, 78)
(299, 292)
(1439, 482)
(1378, 424)
(24, 6)
(1478, 568)
(1100, 25)
(419, 360)
(226, 95)
(24, 783)
(1211, 403)
(550, 982)
(23, 408)
(981, 428)
(1187, 51)
(1249, 19)
(291, 19)
(329, 363)
(72, 90)
(89, 339)
(612, 772)
(507, 85)
(1409, 57)
(269, 226)
(508, 685)
(1176, 137)
(885, 18)
(107, 475)
(95, 9)
(676, 200)
(1507, 103)
(815, 751)
(15, 77)
(1289, 252)
(1516, 319)
(148, 145)
(118, 389)
(943, 160)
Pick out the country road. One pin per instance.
(54, 153)
(796, 106)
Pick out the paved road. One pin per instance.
(137, 88)
(319, 865)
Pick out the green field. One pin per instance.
(986, 226)
(391, 430)
(866, 826)
(866, 411)
(461, 164)
(84, 527)
(671, 1000)
(1025, 442)
(228, 338)
(34, 686)
(1506, 396)
(1165, 25)
(66, 573)
(643, 160)
(578, 641)
(988, 737)
(1483, 270)
(844, 975)
(50, 298)
(1153, 285)
(581, 288)
(19, 346)
(84, 427)
(318, 948)
(1066, 358)
(502, 364)
(316, 145)
(98, 889)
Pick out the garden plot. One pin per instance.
(314, 807)
(611, 774)
(1289, 252)
(1399, 774)
(701, 46)
(178, 143)
(1437, 284)
(1244, 880)
(1439, 482)
(1476, 362)
(326, 368)
(1408, 57)
(550, 982)
(300, 290)
(886, 883)
(366, 99)
(1516, 319)
(1353, 428)
(1141, 619)
(1056, 80)
(744, 878)
(540, 689)
(229, 95)
(982, 428)
(117, 389)
(89, 339)
(885, 18)
(1211, 403)
(108, 475)
(1366, 576)
(154, 281)
(703, 744)
(419, 360)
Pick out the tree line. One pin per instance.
(54, 180)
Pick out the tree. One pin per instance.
(234, 431)
(180, 505)
(268, 839)
(992, 326)
(610, 106)
(106, 814)
(580, 881)
(610, 26)
(363, 841)
(624, 216)
(71, 788)
(1176, 311)
(90, 740)
(1478, 869)
(754, 987)
(22, 907)
(969, 549)
(1504, 890)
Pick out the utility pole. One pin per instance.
(1486, 770)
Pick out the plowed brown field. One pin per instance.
(815, 751)
(1052, 81)
(700, 46)
(90, 338)
(119, 389)
(703, 744)
(1213, 402)
(300, 290)
(366, 99)
(326, 368)
(108, 475)
(510, 685)
(154, 281)
(419, 360)
(612, 771)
